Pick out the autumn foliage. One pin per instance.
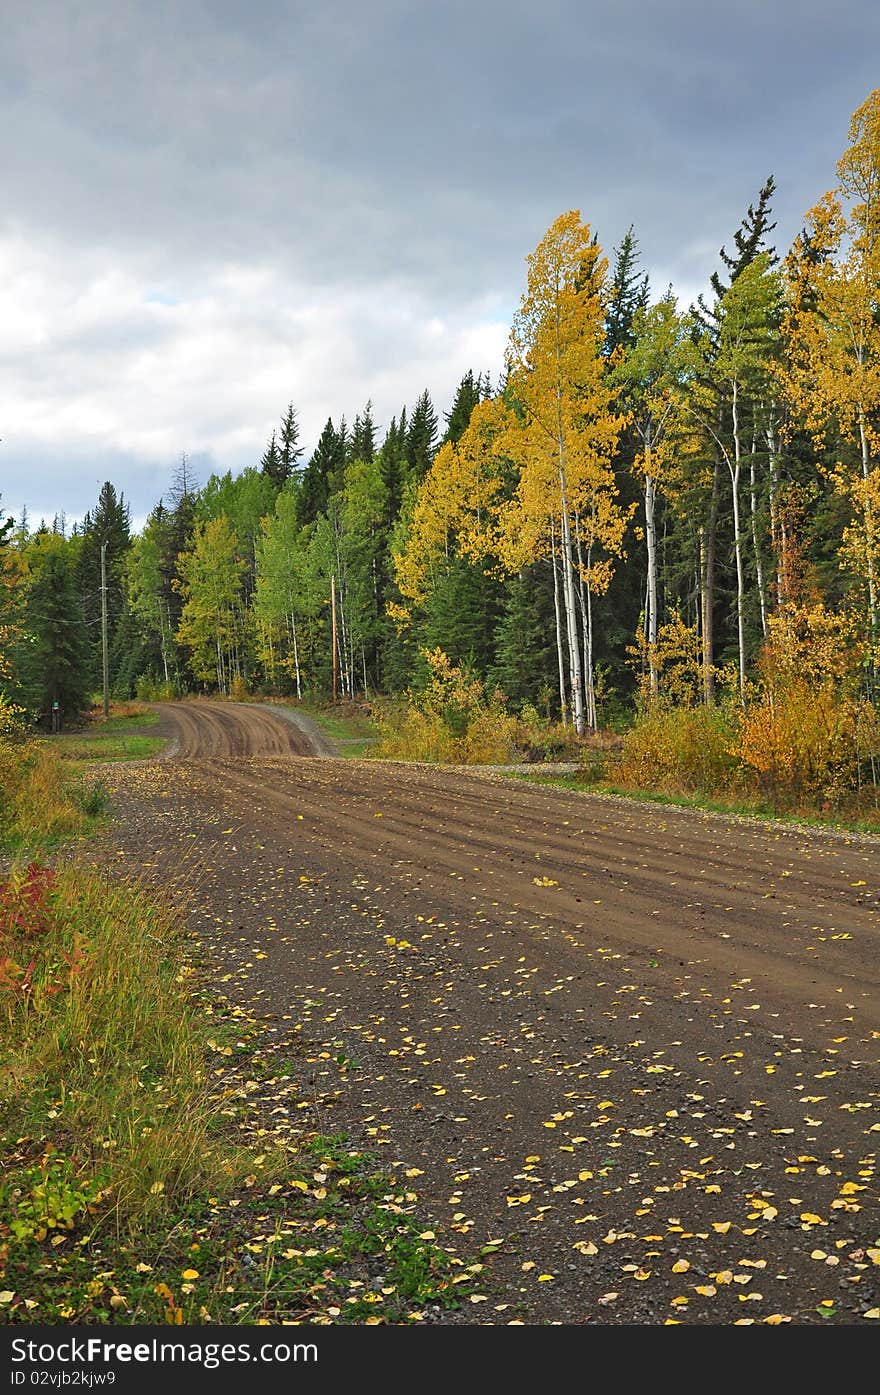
(805, 738)
(453, 719)
(809, 734)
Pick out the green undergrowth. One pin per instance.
(44, 799)
(158, 1161)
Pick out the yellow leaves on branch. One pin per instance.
(831, 371)
(454, 508)
(542, 451)
(562, 426)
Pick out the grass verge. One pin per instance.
(117, 737)
(158, 1162)
(43, 799)
(348, 726)
(108, 745)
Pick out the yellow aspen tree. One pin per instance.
(455, 508)
(832, 329)
(560, 434)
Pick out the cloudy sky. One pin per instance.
(212, 208)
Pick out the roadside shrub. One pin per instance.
(452, 720)
(808, 740)
(810, 736)
(686, 750)
(148, 689)
(39, 796)
(536, 739)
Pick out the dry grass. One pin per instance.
(102, 1084)
(41, 799)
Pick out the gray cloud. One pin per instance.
(212, 208)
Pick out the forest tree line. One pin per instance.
(678, 505)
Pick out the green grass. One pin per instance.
(105, 745)
(118, 737)
(44, 800)
(123, 718)
(144, 1173)
(352, 732)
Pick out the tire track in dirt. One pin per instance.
(764, 937)
(202, 730)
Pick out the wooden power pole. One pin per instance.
(105, 658)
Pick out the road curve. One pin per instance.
(204, 730)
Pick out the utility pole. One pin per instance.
(105, 659)
(335, 652)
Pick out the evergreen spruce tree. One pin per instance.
(468, 395)
(421, 438)
(362, 441)
(750, 239)
(108, 523)
(629, 293)
(461, 614)
(290, 451)
(323, 475)
(129, 656)
(271, 464)
(524, 649)
(53, 661)
(393, 464)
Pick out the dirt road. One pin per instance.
(202, 729)
(634, 1046)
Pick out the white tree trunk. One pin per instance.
(296, 656)
(734, 469)
(587, 624)
(651, 619)
(568, 596)
(563, 703)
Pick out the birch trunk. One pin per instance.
(651, 619)
(563, 704)
(568, 596)
(295, 656)
(163, 636)
(587, 623)
(734, 468)
(707, 550)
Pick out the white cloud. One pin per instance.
(95, 367)
(211, 209)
